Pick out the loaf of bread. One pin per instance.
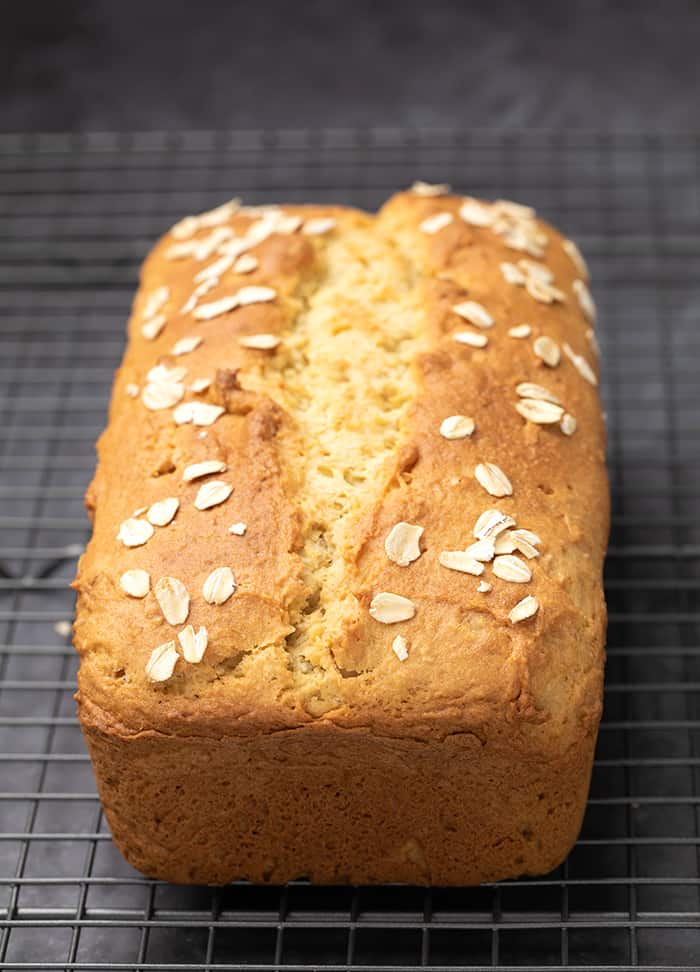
(341, 616)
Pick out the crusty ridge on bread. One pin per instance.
(351, 499)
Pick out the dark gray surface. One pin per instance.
(119, 64)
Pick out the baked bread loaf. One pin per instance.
(341, 616)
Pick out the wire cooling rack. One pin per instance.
(76, 217)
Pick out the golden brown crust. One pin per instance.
(335, 806)
(526, 694)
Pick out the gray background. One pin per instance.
(122, 64)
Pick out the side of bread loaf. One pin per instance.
(342, 615)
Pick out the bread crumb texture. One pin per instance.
(307, 357)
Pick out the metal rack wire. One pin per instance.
(76, 216)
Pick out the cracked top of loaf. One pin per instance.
(353, 473)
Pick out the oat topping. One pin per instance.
(585, 300)
(151, 329)
(212, 494)
(576, 258)
(204, 414)
(457, 427)
(540, 290)
(162, 512)
(218, 216)
(461, 561)
(528, 535)
(199, 291)
(540, 412)
(525, 542)
(471, 338)
(161, 664)
(513, 569)
(517, 227)
(158, 395)
(219, 586)
(536, 271)
(208, 245)
(491, 523)
(155, 302)
(544, 292)
(505, 544)
(528, 389)
(476, 213)
(524, 609)
(134, 533)
(259, 342)
(186, 345)
(516, 211)
(513, 274)
(232, 249)
(173, 599)
(205, 312)
(567, 424)
(581, 365)
(255, 295)
(205, 286)
(185, 228)
(318, 226)
(518, 239)
(199, 413)
(202, 248)
(483, 550)
(547, 349)
(135, 583)
(182, 415)
(537, 279)
(132, 390)
(193, 643)
(221, 214)
(497, 539)
(273, 220)
(402, 543)
(493, 479)
(213, 271)
(390, 608)
(433, 224)
(520, 331)
(420, 188)
(162, 373)
(287, 224)
(182, 250)
(474, 312)
(205, 468)
(246, 263)
(400, 647)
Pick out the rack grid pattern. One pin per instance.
(77, 214)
